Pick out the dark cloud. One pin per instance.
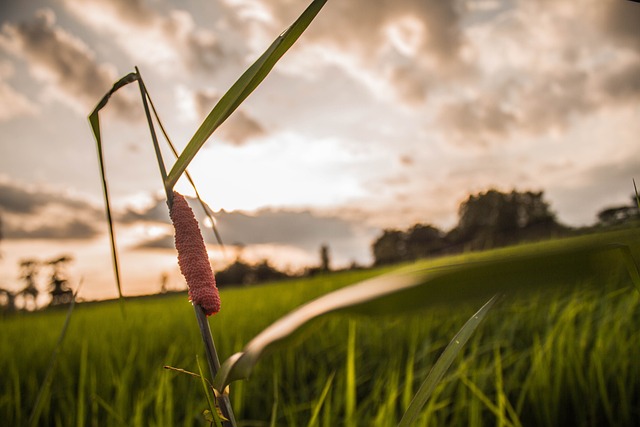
(18, 200)
(623, 84)
(41, 214)
(163, 242)
(144, 31)
(64, 61)
(75, 229)
(238, 129)
(156, 212)
(619, 20)
(305, 230)
(358, 25)
(410, 43)
(477, 122)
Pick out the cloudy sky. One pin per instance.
(384, 114)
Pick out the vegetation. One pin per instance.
(572, 322)
(565, 356)
(492, 219)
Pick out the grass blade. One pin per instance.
(242, 88)
(323, 395)
(443, 363)
(207, 391)
(350, 382)
(48, 378)
(527, 270)
(94, 121)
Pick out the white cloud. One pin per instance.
(148, 36)
(63, 62)
(13, 103)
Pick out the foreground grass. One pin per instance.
(564, 357)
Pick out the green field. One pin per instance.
(563, 356)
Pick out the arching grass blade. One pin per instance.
(412, 288)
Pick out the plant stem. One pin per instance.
(222, 399)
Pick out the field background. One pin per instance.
(565, 356)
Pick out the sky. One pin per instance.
(384, 114)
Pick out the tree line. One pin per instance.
(485, 220)
(489, 220)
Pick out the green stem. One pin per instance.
(222, 399)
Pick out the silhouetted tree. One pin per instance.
(494, 218)
(390, 247)
(325, 261)
(28, 273)
(238, 273)
(423, 240)
(58, 288)
(265, 272)
(618, 215)
(7, 300)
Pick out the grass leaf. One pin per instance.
(443, 363)
(53, 361)
(94, 121)
(242, 88)
(523, 269)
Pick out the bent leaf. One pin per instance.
(417, 288)
(242, 88)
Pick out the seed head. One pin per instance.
(192, 257)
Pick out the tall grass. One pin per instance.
(563, 356)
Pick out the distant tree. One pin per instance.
(325, 261)
(238, 273)
(494, 218)
(58, 284)
(617, 215)
(423, 240)
(265, 272)
(7, 301)
(29, 269)
(390, 247)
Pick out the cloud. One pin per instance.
(29, 213)
(75, 229)
(305, 230)
(619, 20)
(539, 68)
(63, 62)
(151, 37)
(12, 103)
(238, 129)
(156, 212)
(406, 44)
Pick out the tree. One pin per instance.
(390, 247)
(58, 288)
(494, 218)
(325, 261)
(423, 240)
(28, 271)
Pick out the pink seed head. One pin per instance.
(192, 257)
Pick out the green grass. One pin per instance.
(564, 356)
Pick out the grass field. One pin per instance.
(566, 356)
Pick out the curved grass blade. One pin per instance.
(242, 88)
(94, 120)
(443, 363)
(410, 288)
